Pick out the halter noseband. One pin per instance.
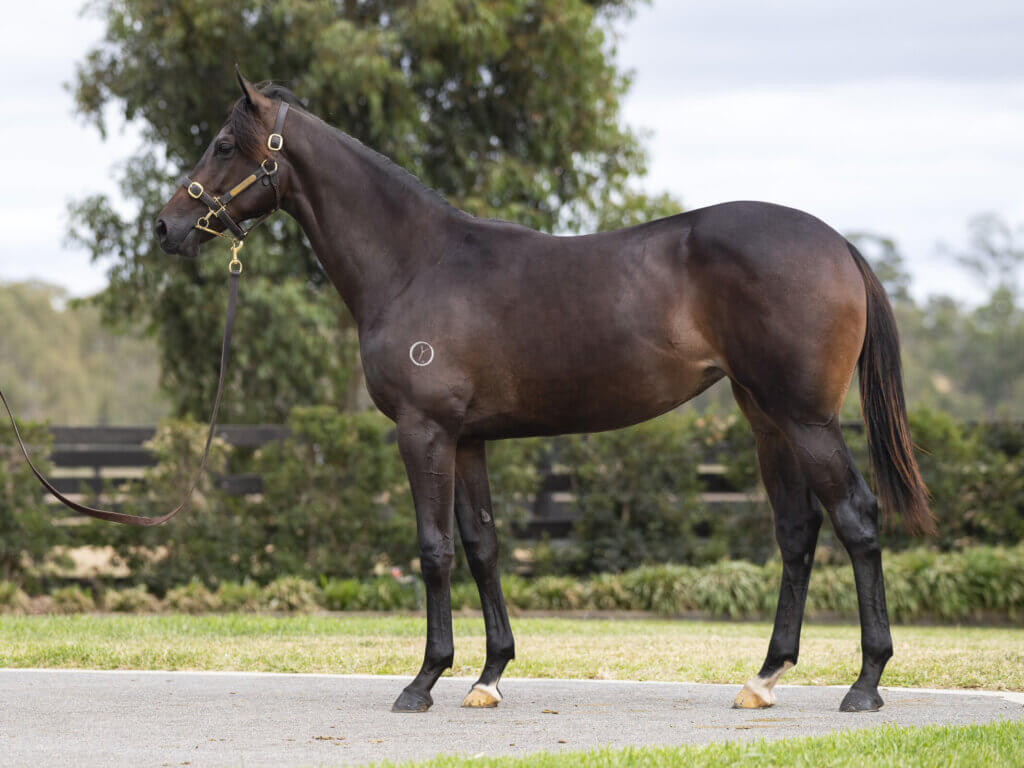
(267, 173)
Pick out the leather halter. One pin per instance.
(218, 208)
(217, 205)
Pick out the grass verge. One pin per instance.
(636, 649)
(994, 745)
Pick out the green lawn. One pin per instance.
(635, 649)
(992, 746)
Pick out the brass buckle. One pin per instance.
(195, 185)
(235, 265)
(275, 141)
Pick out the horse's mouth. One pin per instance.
(189, 247)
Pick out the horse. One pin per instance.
(472, 330)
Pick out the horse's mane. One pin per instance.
(249, 138)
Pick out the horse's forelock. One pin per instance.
(245, 127)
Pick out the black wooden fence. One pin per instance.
(102, 458)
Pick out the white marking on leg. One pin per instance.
(761, 688)
(489, 689)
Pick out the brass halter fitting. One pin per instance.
(217, 205)
(235, 265)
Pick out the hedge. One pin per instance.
(978, 584)
(336, 503)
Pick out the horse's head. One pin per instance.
(235, 180)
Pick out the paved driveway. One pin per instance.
(108, 719)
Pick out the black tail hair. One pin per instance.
(897, 478)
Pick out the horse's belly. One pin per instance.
(590, 400)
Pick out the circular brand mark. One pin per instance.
(421, 353)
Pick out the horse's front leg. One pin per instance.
(428, 451)
(475, 517)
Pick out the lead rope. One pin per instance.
(234, 270)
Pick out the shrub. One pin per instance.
(336, 500)
(194, 597)
(213, 540)
(636, 495)
(247, 596)
(343, 594)
(291, 593)
(12, 598)
(135, 599)
(465, 595)
(389, 594)
(72, 599)
(27, 532)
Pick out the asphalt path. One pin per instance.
(97, 718)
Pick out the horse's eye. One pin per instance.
(224, 147)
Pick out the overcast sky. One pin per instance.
(900, 118)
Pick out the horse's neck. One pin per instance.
(370, 227)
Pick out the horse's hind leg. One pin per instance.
(833, 477)
(797, 521)
(475, 517)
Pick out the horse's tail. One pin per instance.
(898, 480)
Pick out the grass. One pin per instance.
(635, 649)
(994, 745)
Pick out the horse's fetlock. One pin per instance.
(502, 651)
(439, 659)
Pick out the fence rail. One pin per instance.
(100, 459)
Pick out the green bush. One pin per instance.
(217, 538)
(635, 495)
(337, 504)
(465, 595)
(979, 584)
(12, 598)
(27, 532)
(244, 597)
(135, 599)
(383, 593)
(336, 500)
(194, 597)
(72, 599)
(291, 593)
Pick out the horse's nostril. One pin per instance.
(160, 230)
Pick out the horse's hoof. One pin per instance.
(748, 698)
(412, 701)
(485, 696)
(859, 700)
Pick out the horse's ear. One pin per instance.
(245, 85)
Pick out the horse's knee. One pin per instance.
(436, 564)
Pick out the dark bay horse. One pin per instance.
(473, 330)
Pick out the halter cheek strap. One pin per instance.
(217, 205)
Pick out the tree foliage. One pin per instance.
(59, 363)
(510, 108)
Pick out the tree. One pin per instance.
(887, 262)
(510, 108)
(57, 362)
(995, 253)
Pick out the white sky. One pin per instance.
(899, 118)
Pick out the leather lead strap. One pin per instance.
(137, 520)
